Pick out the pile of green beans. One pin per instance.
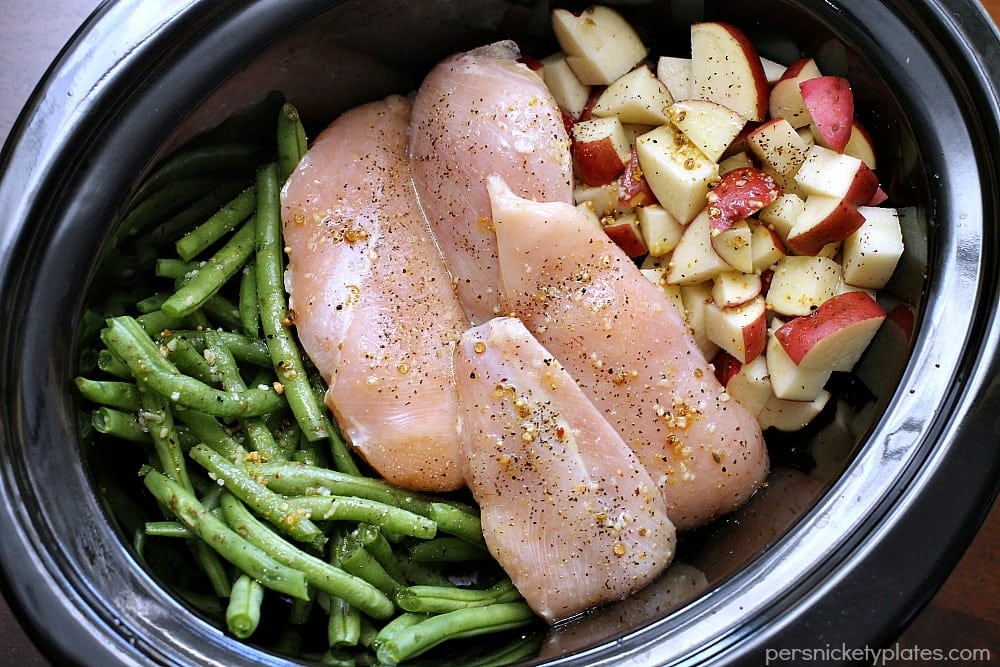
(191, 359)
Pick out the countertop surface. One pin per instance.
(964, 614)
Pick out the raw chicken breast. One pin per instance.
(567, 509)
(373, 303)
(478, 113)
(628, 347)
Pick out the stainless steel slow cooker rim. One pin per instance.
(144, 644)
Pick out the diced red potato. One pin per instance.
(734, 288)
(751, 385)
(800, 283)
(830, 103)
(633, 188)
(660, 230)
(860, 145)
(695, 259)
(790, 381)
(624, 231)
(766, 248)
(709, 125)
(600, 150)
(734, 245)
(871, 253)
(636, 97)
(571, 95)
(835, 335)
(675, 73)
(678, 172)
(726, 68)
(779, 146)
(825, 172)
(738, 195)
(790, 416)
(599, 43)
(825, 220)
(740, 330)
(785, 97)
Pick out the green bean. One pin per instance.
(298, 479)
(249, 313)
(121, 395)
(213, 274)
(229, 374)
(244, 349)
(213, 567)
(301, 610)
(163, 203)
(196, 162)
(150, 304)
(351, 508)
(222, 312)
(322, 575)
(167, 529)
(291, 140)
(519, 650)
(158, 420)
(126, 338)
(118, 424)
(447, 550)
(235, 211)
(243, 610)
(213, 434)
(459, 520)
(241, 553)
(200, 209)
(274, 312)
(265, 502)
(377, 544)
(156, 321)
(396, 644)
(188, 360)
(111, 365)
(344, 624)
(442, 599)
(175, 269)
(356, 559)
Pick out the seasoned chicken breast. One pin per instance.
(373, 303)
(567, 508)
(627, 346)
(478, 113)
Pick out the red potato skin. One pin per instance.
(534, 64)
(799, 335)
(568, 121)
(597, 162)
(794, 69)
(756, 70)
(864, 188)
(841, 223)
(588, 109)
(726, 367)
(755, 338)
(879, 197)
(738, 195)
(633, 189)
(627, 237)
(902, 316)
(830, 102)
